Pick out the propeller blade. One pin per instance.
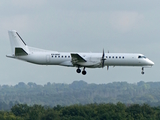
(107, 67)
(103, 54)
(103, 59)
(102, 63)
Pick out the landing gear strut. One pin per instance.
(142, 71)
(84, 72)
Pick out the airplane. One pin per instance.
(21, 51)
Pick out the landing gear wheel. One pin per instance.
(142, 71)
(84, 72)
(78, 70)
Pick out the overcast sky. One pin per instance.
(82, 26)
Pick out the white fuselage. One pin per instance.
(93, 59)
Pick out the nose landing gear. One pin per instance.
(142, 71)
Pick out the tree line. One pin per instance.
(94, 111)
(79, 92)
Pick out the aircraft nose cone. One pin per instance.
(151, 63)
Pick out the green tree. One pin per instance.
(20, 110)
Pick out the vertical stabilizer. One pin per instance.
(18, 46)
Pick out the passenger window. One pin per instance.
(109, 56)
(112, 56)
(62, 56)
(123, 57)
(116, 57)
(106, 57)
(119, 56)
(68, 56)
(55, 56)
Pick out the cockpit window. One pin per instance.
(141, 57)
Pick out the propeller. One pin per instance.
(108, 65)
(103, 59)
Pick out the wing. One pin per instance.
(76, 58)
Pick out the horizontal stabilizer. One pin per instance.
(10, 56)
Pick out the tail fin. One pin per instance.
(18, 46)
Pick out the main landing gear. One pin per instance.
(79, 71)
(142, 71)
